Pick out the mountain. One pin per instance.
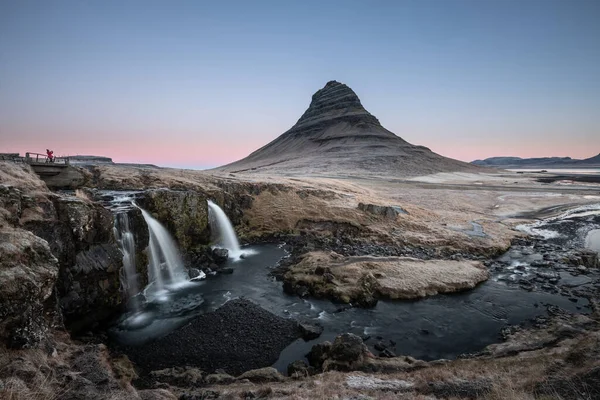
(541, 162)
(591, 161)
(336, 135)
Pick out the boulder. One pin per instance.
(220, 255)
(28, 272)
(318, 354)
(262, 375)
(179, 376)
(300, 368)
(348, 347)
(588, 258)
(310, 331)
(346, 353)
(389, 212)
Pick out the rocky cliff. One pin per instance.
(58, 263)
(69, 247)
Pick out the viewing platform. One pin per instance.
(57, 172)
(44, 166)
(40, 163)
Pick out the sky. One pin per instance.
(196, 84)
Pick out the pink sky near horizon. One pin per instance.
(201, 153)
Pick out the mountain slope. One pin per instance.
(337, 136)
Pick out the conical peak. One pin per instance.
(333, 102)
(338, 93)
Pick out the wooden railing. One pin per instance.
(38, 158)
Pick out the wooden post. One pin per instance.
(27, 158)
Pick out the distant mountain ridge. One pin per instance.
(78, 158)
(337, 136)
(539, 162)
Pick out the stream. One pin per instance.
(523, 286)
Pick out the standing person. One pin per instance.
(50, 155)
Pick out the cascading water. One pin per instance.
(130, 284)
(221, 224)
(166, 267)
(169, 291)
(126, 241)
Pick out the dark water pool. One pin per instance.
(442, 326)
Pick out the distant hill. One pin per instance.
(337, 136)
(541, 162)
(81, 159)
(592, 160)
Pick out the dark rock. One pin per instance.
(587, 258)
(310, 331)
(380, 346)
(194, 273)
(318, 354)
(387, 353)
(322, 270)
(214, 267)
(226, 271)
(347, 347)
(220, 255)
(347, 353)
(295, 288)
(299, 368)
(390, 212)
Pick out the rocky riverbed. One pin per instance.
(58, 270)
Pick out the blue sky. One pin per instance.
(196, 84)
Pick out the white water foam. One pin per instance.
(537, 228)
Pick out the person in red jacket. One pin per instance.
(50, 155)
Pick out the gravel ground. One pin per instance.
(237, 337)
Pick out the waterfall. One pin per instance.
(221, 224)
(166, 267)
(126, 241)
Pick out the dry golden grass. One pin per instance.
(20, 176)
(283, 210)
